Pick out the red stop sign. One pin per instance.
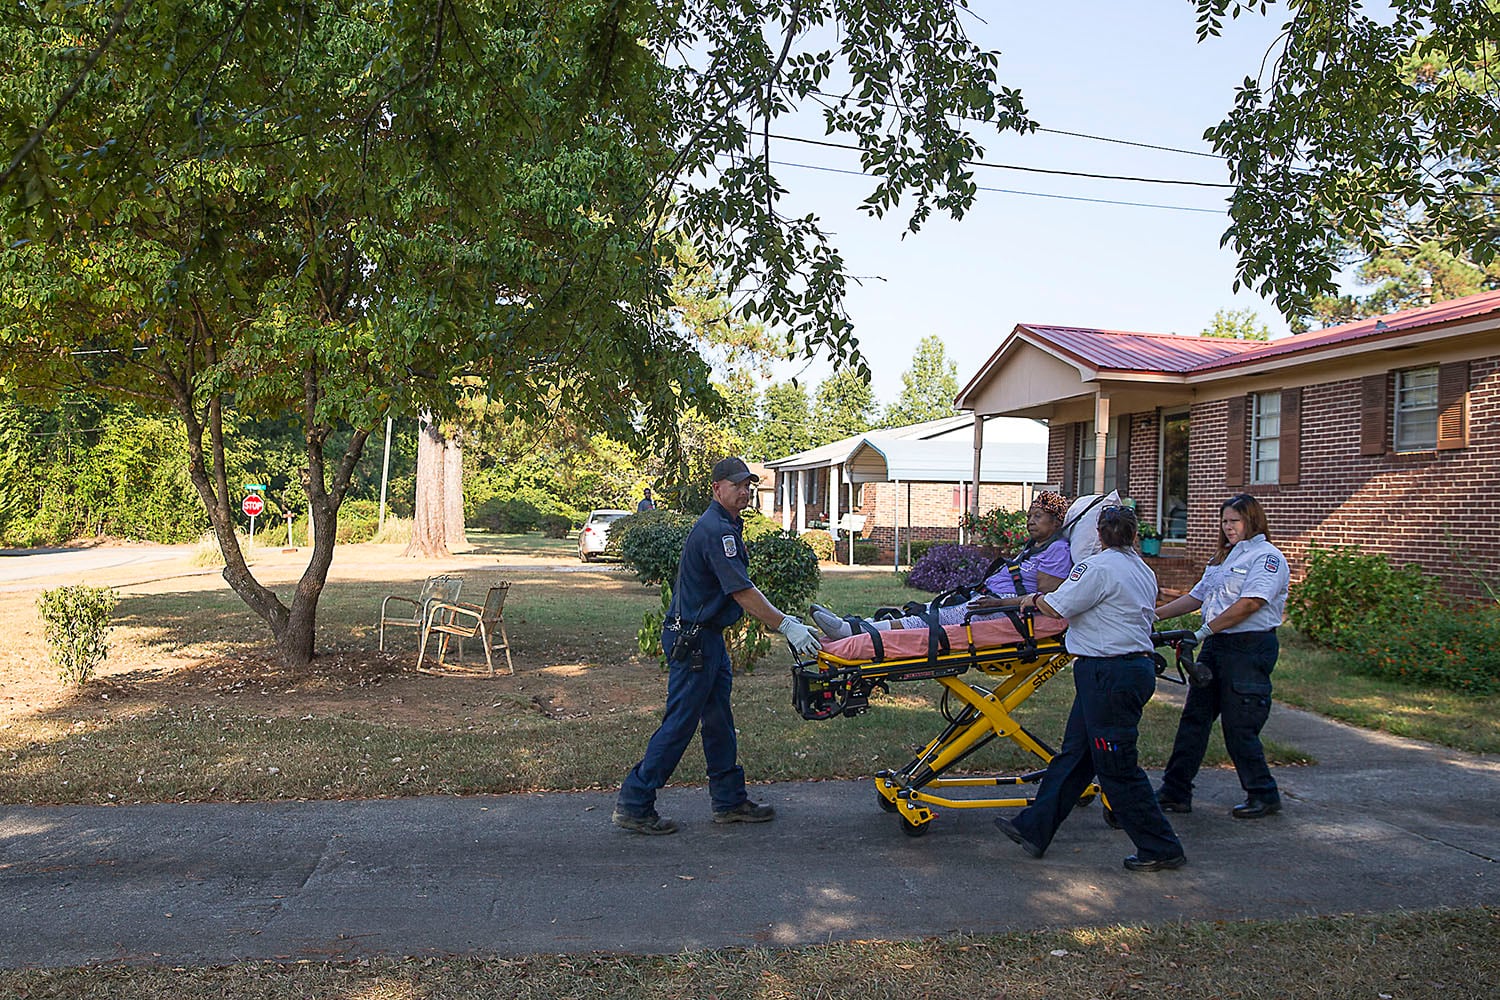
(252, 505)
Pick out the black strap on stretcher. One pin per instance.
(937, 638)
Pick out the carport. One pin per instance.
(879, 459)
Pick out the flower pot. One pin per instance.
(1150, 546)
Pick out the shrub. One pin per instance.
(1425, 643)
(507, 515)
(358, 521)
(866, 554)
(1345, 588)
(921, 546)
(395, 531)
(555, 525)
(75, 625)
(999, 529)
(786, 571)
(821, 542)
(945, 567)
(649, 637)
(757, 525)
(650, 543)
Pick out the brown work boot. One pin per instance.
(746, 812)
(651, 824)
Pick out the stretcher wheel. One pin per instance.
(1110, 819)
(885, 803)
(916, 829)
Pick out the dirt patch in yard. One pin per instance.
(183, 639)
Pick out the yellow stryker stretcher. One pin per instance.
(831, 685)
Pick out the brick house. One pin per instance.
(908, 483)
(1384, 433)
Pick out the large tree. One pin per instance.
(1237, 324)
(1361, 128)
(785, 421)
(347, 210)
(843, 406)
(928, 387)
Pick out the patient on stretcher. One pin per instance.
(1041, 565)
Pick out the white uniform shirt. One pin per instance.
(1109, 601)
(1253, 568)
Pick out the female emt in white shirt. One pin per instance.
(1242, 594)
(1109, 601)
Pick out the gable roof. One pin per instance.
(1095, 351)
(1119, 350)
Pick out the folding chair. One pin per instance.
(469, 621)
(435, 589)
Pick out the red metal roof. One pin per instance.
(1376, 327)
(1118, 350)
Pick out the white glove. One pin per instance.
(1203, 633)
(802, 638)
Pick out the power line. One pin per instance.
(1030, 170)
(1028, 194)
(1051, 131)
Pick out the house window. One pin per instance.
(1088, 447)
(1265, 438)
(1417, 409)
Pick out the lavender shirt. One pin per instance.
(1055, 560)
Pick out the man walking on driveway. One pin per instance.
(713, 591)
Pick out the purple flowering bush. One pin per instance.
(944, 567)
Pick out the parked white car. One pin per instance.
(594, 534)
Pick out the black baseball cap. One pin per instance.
(733, 469)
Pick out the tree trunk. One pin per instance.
(453, 494)
(429, 529)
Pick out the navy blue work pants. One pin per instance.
(1240, 698)
(1109, 695)
(694, 697)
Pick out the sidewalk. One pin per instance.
(1381, 823)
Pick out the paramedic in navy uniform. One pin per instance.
(1242, 594)
(1109, 601)
(713, 592)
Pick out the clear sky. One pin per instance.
(1131, 71)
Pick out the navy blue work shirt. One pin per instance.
(714, 564)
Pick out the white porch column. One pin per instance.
(1101, 437)
(786, 501)
(801, 501)
(835, 491)
(853, 535)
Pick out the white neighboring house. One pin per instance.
(911, 482)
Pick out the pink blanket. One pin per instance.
(907, 642)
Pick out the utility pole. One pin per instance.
(385, 473)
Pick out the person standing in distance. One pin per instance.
(646, 503)
(1243, 595)
(713, 592)
(1109, 600)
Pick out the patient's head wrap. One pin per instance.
(1053, 503)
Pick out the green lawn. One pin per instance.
(575, 716)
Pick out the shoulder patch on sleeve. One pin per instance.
(730, 549)
(1272, 564)
(1078, 571)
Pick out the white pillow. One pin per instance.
(1081, 526)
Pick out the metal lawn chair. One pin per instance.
(413, 612)
(484, 622)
